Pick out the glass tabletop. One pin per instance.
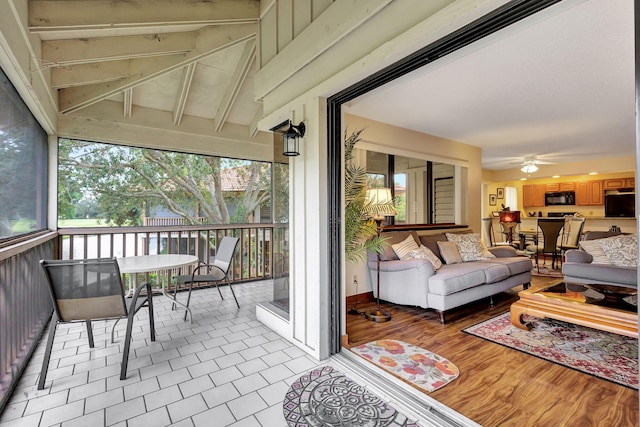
(617, 297)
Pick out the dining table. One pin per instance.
(132, 265)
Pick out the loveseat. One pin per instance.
(595, 261)
(417, 282)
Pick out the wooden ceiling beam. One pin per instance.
(237, 80)
(183, 93)
(65, 15)
(56, 53)
(86, 74)
(209, 41)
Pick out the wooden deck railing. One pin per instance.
(253, 259)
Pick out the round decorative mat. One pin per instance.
(325, 397)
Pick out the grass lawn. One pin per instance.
(80, 222)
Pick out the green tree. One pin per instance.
(124, 181)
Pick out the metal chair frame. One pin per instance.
(221, 264)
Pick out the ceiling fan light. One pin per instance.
(529, 168)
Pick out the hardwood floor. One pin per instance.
(499, 386)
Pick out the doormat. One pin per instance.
(418, 366)
(602, 354)
(325, 397)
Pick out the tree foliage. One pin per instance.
(126, 182)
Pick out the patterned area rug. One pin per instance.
(546, 270)
(605, 355)
(325, 397)
(418, 366)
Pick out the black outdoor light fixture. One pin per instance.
(291, 139)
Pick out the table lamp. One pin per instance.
(509, 220)
(379, 204)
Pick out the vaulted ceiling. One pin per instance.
(186, 57)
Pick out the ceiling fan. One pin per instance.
(530, 164)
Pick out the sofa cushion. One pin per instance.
(403, 249)
(593, 248)
(601, 273)
(431, 242)
(424, 253)
(455, 278)
(621, 250)
(449, 252)
(391, 238)
(515, 265)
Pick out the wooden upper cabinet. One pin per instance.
(616, 183)
(533, 195)
(589, 193)
(560, 186)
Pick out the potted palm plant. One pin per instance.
(361, 232)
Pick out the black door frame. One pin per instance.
(494, 21)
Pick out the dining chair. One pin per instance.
(571, 234)
(547, 240)
(214, 272)
(83, 290)
(487, 229)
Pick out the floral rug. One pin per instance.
(602, 354)
(420, 367)
(325, 397)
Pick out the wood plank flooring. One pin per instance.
(499, 386)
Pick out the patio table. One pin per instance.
(148, 263)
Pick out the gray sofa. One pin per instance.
(414, 281)
(579, 268)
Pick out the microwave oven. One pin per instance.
(560, 198)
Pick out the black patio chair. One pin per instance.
(215, 272)
(83, 290)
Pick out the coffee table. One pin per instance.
(586, 308)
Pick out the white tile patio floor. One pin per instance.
(224, 369)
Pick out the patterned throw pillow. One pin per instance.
(425, 253)
(621, 250)
(403, 248)
(468, 245)
(449, 252)
(593, 248)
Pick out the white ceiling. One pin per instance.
(560, 89)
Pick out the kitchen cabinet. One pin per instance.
(617, 183)
(589, 193)
(560, 186)
(533, 195)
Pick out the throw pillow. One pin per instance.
(593, 248)
(486, 253)
(621, 250)
(403, 248)
(468, 245)
(449, 252)
(391, 238)
(425, 253)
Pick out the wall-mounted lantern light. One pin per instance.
(291, 139)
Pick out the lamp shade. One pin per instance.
(379, 203)
(510, 216)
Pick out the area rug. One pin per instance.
(546, 270)
(602, 354)
(423, 368)
(325, 397)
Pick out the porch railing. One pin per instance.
(25, 308)
(253, 260)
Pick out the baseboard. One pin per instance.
(360, 298)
